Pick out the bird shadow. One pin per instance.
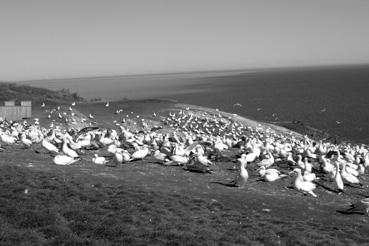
(227, 184)
(326, 187)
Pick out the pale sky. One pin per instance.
(42, 39)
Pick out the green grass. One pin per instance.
(60, 209)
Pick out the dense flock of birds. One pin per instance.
(196, 141)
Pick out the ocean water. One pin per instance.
(333, 99)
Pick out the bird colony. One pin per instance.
(198, 141)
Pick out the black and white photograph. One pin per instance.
(184, 122)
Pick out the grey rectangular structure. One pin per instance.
(13, 112)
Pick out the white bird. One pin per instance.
(159, 155)
(107, 104)
(308, 174)
(118, 157)
(290, 158)
(300, 163)
(268, 161)
(241, 179)
(65, 160)
(26, 141)
(270, 174)
(179, 159)
(327, 166)
(91, 116)
(8, 139)
(67, 150)
(338, 178)
(347, 176)
(49, 146)
(366, 160)
(126, 156)
(303, 186)
(203, 159)
(140, 154)
(100, 160)
(250, 157)
(43, 105)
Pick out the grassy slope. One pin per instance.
(143, 203)
(12, 91)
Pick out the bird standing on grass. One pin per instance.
(338, 178)
(302, 185)
(242, 177)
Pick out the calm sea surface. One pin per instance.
(332, 99)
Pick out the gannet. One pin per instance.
(49, 146)
(126, 156)
(8, 139)
(242, 177)
(308, 174)
(270, 174)
(290, 159)
(300, 163)
(27, 143)
(203, 159)
(347, 176)
(100, 160)
(366, 160)
(267, 162)
(140, 154)
(338, 178)
(67, 150)
(65, 160)
(303, 186)
(159, 155)
(179, 159)
(118, 157)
